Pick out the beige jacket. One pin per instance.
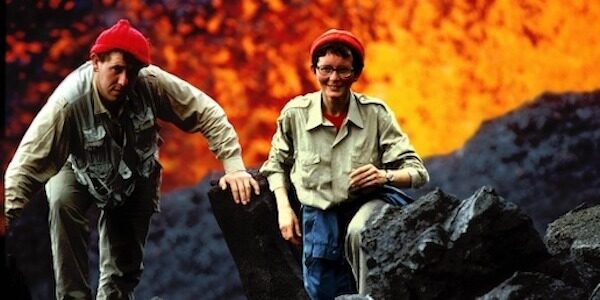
(52, 136)
(319, 159)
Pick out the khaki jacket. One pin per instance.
(74, 125)
(319, 159)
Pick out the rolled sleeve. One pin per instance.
(233, 164)
(277, 180)
(192, 110)
(399, 152)
(276, 165)
(418, 177)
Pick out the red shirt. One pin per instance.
(336, 120)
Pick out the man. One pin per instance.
(96, 142)
(341, 148)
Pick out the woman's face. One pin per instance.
(335, 76)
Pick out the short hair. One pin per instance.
(342, 50)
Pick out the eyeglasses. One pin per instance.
(343, 72)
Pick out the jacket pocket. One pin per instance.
(359, 160)
(93, 137)
(309, 169)
(146, 141)
(146, 133)
(96, 146)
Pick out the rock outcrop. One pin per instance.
(574, 240)
(543, 156)
(269, 267)
(439, 247)
(442, 248)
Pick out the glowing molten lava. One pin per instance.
(442, 66)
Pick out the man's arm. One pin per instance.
(192, 110)
(41, 153)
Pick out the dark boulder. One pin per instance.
(442, 248)
(574, 241)
(524, 285)
(269, 266)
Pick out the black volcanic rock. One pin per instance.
(439, 247)
(544, 156)
(443, 248)
(574, 240)
(269, 266)
(524, 285)
(596, 293)
(186, 256)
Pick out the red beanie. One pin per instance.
(342, 36)
(122, 36)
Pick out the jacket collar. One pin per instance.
(315, 113)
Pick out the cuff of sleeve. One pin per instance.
(233, 164)
(415, 178)
(276, 181)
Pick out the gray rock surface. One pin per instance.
(596, 293)
(543, 156)
(574, 240)
(523, 285)
(442, 248)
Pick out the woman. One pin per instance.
(339, 146)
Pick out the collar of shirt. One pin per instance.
(315, 114)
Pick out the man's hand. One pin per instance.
(242, 184)
(366, 176)
(11, 217)
(289, 225)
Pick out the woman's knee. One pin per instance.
(354, 230)
(359, 221)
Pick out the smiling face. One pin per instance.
(335, 87)
(115, 73)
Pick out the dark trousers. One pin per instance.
(122, 235)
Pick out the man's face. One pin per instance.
(114, 76)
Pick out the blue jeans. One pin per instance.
(326, 272)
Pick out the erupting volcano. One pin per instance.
(442, 66)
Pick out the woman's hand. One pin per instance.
(289, 225)
(367, 176)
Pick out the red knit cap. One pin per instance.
(338, 35)
(122, 36)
